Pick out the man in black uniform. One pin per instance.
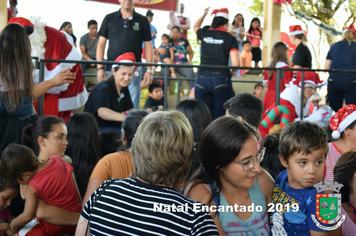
(126, 30)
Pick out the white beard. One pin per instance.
(38, 37)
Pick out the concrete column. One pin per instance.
(271, 29)
(3, 14)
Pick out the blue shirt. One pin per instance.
(294, 223)
(342, 56)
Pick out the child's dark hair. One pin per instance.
(92, 22)
(167, 37)
(42, 127)
(245, 42)
(257, 85)
(131, 123)
(17, 159)
(246, 105)
(271, 160)
(110, 142)
(153, 86)
(251, 28)
(344, 171)
(302, 137)
(6, 183)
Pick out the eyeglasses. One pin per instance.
(248, 164)
(126, 23)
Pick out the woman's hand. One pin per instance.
(206, 10)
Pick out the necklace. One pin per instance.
(41, 160)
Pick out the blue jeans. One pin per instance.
(341, 86)
(214, 89)
(135, 88)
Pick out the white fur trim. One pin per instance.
(292, 95)
(348, 120)
(71, 103)
(281, 64)
(116, 65)
(221, 14)
(296, 32)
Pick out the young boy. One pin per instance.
(52, 181)
(155, 100)
(246, 56)
(302, 150)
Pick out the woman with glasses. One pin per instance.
(230, 180)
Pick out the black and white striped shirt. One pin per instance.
(131, 207)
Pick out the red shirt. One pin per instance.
(55, 185)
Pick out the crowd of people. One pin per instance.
(208, 167)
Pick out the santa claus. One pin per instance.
(51, 44)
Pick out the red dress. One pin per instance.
(270, 96)
(54, 185)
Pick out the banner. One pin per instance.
(165, 5)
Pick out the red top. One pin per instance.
(184, 33)
(55, 185)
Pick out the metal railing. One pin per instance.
(279, 75)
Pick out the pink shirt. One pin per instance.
(331, 159)
(3, 215)
(255, 39)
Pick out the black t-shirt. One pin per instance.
(153, 104)
(302, 56)
(216, 45)
(123, 39)
(105, 94)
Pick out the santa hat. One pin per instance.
(24, 22)
(126, 57)
(223, 12)
(311, 79)
(295, 29)
(342, 119)
(350, 27)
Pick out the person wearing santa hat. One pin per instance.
(51, 44)
(344, 132)
(342, 55)
(213, 86)
(111, 98)
(302, 57)
(291, 96)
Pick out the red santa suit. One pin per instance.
(51, 44)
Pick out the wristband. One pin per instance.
(151, 71)
(100, 68)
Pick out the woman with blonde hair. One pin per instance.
(162, 153)
(342, 55)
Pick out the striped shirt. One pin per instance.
(331, 159)
(131, 207)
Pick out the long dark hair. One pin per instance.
(15, 65)
(199, 118)
(251, 28)
(42, 127)
(344, 171)
(220, 144)
(131, 123)
(243, 19)
(83, 147)
(64, 24)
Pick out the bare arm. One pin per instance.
(82, 227)
(197, 24)
(108, 114)
(100, 57)
(190, 53)
(56, 215)
(29, 211)
(267, 183)
(202, 194)
(83, 49)
(148, 76)
(171, 50)
(234, 56)
(65, 76)
(327, 64)
(187, 25)
(92, 186)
